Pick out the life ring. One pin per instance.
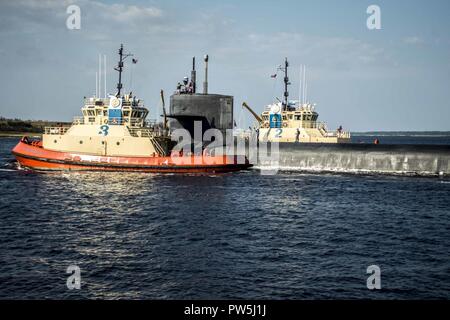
(114, 121)
(285, 124)
(266, 125)
(105, 121)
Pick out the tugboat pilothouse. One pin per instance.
(113, 135)
(294, 121)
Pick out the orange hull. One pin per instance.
(33, 156)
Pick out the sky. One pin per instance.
(395, 78)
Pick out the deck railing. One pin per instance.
(134, 122)
(105, 102)
(146, 132)
(56, 130)
(78, 120)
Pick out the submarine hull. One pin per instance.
(212, 110)
(359, 158)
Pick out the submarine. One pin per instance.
(188, 107)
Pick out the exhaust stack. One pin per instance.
(193, 76)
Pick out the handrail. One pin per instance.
(158, 147)
(135, 122)
(105, 102)
(146, 132)
(78, 120)
(56, 130)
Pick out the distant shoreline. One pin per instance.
(403, 133)
(18, 128)
(19, 134)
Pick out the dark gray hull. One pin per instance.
(361, 158)
(212, 110)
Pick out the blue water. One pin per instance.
(240, 235)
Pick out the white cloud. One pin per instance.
(125, 13)
(413, 40)
(36, 15)
(339, 53)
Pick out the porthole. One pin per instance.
(81, 141)
(55, 141)
(103, 142)
(118, 143)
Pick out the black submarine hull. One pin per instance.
(407, 159)
(213, 111)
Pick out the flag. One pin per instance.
(273, 75)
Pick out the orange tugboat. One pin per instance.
(113, 135)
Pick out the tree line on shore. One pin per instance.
(19, 125)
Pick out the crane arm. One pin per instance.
(258, 118)
(164, 110)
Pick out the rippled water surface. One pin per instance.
(240, 235)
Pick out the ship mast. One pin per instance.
(286, 83)
(119, 68)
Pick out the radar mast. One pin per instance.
(119, 68)
(286, 83)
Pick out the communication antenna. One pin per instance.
(104, 70)
(119, 68)
(286, 82)
(304, 85)
(306, 91)
(99, 75)
(193, 76)
(300, 91)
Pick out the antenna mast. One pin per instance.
(300, 87)
(122, 57)
(304, 84)
(104, 70)
(99, 75)
(193, 76)
(286, 83)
